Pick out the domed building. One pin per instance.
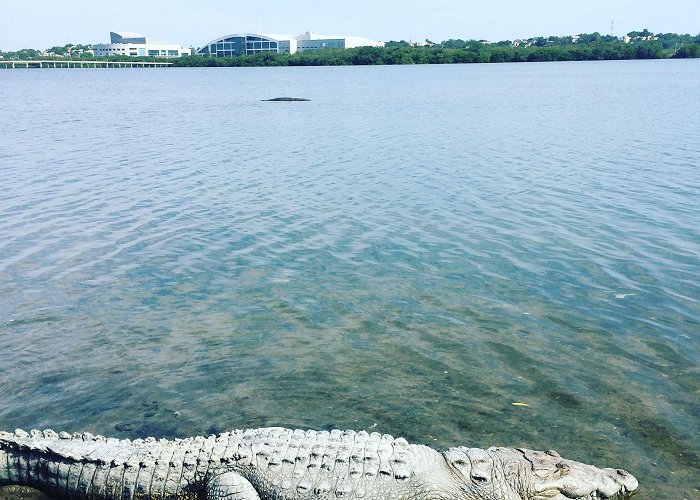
(254, 43)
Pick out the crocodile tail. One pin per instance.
(61, 465)
(24, 460)
(86, 467)
(8, 473)
(9, 453)
(4, 472)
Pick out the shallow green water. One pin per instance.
(411, 251)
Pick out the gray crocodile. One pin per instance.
(284, 464)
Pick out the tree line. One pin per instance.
(464, 51)
(583, 47)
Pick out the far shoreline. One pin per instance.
(552, 49)
(63, 64)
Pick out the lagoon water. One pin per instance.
(410, 252)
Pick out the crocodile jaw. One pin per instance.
(520, 474)
(556, 478)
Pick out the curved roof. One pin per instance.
(130, 37)
(126, 34)
(273, 38)
(126, 37)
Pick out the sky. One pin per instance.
(41, 24)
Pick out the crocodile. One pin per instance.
(285, 464)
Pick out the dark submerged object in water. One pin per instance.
(286, 99)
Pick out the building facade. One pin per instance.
(252, 43)
(135, 45)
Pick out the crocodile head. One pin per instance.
(520, 474)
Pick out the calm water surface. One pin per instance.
(411, 252)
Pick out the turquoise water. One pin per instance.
(411, 252)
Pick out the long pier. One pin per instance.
(47, 63)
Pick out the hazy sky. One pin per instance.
(42, 24)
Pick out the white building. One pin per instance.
(135, 45)
(253, 43)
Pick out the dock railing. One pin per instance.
(48, 63)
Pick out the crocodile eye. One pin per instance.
(511, 469)
(480, 478)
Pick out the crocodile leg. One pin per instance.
(231, 486)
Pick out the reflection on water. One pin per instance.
(411, 251)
